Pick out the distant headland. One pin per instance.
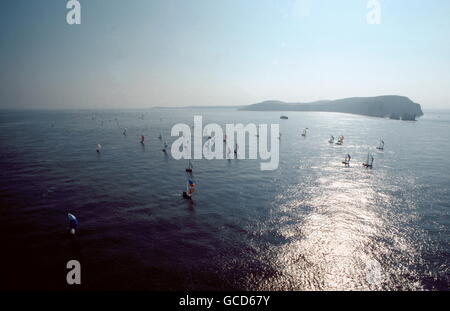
(389, 106)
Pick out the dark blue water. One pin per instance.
(310, 225)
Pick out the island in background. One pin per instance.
(388, 106)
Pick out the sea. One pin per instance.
(311, 224)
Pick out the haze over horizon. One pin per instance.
(139, 54)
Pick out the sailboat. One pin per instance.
(142, 139)
(73, 223)
(190, 188)
(305, 131)
(340, 140)
(190, 167)
(160, 136)
(369, 161)
(99, 148)
(165, 147)
(347, 160)
(331, 140)
(381, 145)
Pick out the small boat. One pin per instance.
(165, 147)
(369, 161)
(190, 167)
(190, 189)
(160, 136)
(284, 118)
(305, 131)
(381, 145)
(347, 160)
(340, 140)
(124, 132)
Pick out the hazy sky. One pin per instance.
(144, 53)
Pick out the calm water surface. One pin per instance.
(312, 224)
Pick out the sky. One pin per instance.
(144, 53)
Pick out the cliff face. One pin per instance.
(396, 107)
